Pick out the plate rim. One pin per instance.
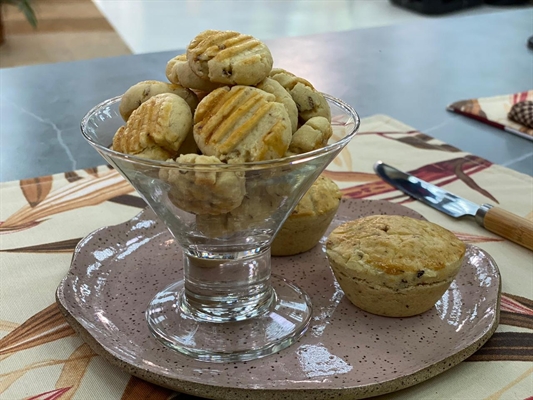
(229, 392)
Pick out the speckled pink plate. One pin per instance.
(346, 353)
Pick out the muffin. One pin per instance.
(304, 228)
(394, 266)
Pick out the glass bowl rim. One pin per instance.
(291, 160)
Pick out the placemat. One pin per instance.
(493, 111)
(44, 218)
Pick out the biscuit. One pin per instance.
(229, 57)
(142, 91)
(242, 124)
(392, 265)
(308, 222)
(312, 135)
(163, 121)
(309, 101)
(179, 71)
(203, 192)
(170, 71)
(282, 96)
(142, 146)
(266, 195)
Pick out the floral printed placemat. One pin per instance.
(493, 111)
(44, 218)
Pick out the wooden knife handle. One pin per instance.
(510, 226)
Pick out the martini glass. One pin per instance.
(228, 306)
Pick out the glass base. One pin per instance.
(282, 324)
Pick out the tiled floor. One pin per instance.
(158, 25)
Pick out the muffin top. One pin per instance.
(391, 247)
(323, 196)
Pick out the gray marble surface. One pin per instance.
(409, 72)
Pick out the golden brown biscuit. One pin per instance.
(312, 135)
(242, 124)
(265, 196)
(304, 228)
(200, 94)
(203, 192)
(139, 145)
(257, 206)
(142, 91)
(179, 71)
(229, 57)
(170, 71)
(163, 121)
(392, 265)
(282, 96)
(309, 101)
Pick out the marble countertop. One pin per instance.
(409, 72)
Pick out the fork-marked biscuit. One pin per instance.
(163, 121)
(142, 91)
(179, 71)
(312, 135)
(229, 57)
(271, 86)
(242, 124)
(309, 101)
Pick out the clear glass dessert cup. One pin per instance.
(228, 307)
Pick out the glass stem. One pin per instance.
(223, 287)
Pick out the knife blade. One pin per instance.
(495, 219)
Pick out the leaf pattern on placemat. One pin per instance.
(439, 173)
(349, 176)
(7, 380)
(8, 326)
(139, 389)
(35, 190)
(470, 238)
(63, 246)
(72, 176)
(44, 327)
(74, 369)
(516, 311)
(415, 139)
(88, 191)
(471, 183)
(129, 200)
(18, 228)
(92, 171)
(50, 395)
(470, 106)
(506, 346)
(510, 346)
(420, 141)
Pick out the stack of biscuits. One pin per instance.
(223, 100)
(225, 104)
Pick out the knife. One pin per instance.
(494, 219)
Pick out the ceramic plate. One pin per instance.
(346, 353)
